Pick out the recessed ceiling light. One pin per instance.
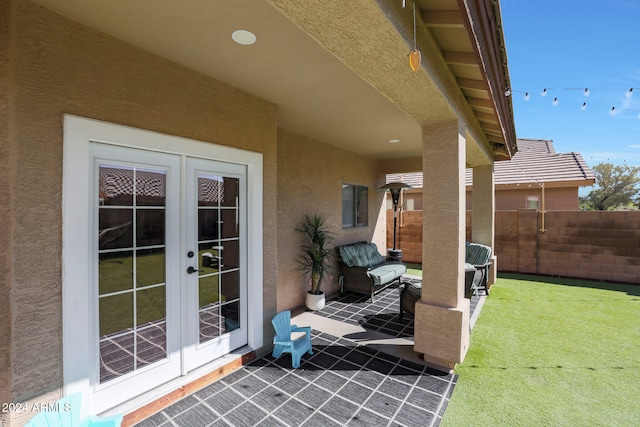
(394, 141)
(243, 37)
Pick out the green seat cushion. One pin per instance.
(386, 272)
(477, 254)
(373, 255)
(361, 255)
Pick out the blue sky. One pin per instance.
(567, 46)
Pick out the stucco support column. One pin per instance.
(442, 314)
(483, 214)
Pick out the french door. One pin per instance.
(216, 261)
(165, 289)
(154, 251)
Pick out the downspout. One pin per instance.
(542, 211)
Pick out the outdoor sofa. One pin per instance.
(476, 268)
(364, 270)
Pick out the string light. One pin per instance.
(628, 93)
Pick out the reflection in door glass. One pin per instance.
(218, 255)
(131, 268)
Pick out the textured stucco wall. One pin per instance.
(6, 194)
(310, 177)
(556, 199)
(62, 67)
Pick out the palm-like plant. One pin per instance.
(317, 254)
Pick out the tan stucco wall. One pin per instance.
(310, 177)
(6, 182)
(62, 67)
(556, 199)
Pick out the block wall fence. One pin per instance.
(597, 245)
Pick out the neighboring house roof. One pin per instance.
(115, 182)
(536, 162)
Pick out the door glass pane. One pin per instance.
(115, 228)
(218, 250)
(150, 188)
(230, 192)
(115, 185)
(116, 313)
(209, 260)
(230, 316)
(150, 304)
(151, 343)
(230, 254)
(132, 306)
(209, 320)
(115, 271)
(230, 227)
(116, 356)
(149, 227)
(208, 291)
(230, 286)
(210, 190)
(150, 267)
(208, 224)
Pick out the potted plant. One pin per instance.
(315, 259)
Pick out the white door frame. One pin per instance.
(77, 241)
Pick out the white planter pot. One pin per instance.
(315, 302)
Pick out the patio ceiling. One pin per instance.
(337, 71)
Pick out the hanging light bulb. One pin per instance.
(555, 101)
(586, 92)
(415, 57)
(613, 111)
(629, 93)
(507, 92)
(544, 92)
(584, 106)
(526, 96)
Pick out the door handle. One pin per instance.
(191, 270)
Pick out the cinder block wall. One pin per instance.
(591, 245)
(598, 245)
(408, 234)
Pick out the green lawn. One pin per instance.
(551, 352)
(414, 269)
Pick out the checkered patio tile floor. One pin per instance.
(381, 315)
(342, 384)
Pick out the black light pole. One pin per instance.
(395, 188)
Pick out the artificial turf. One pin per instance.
(551, 352)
